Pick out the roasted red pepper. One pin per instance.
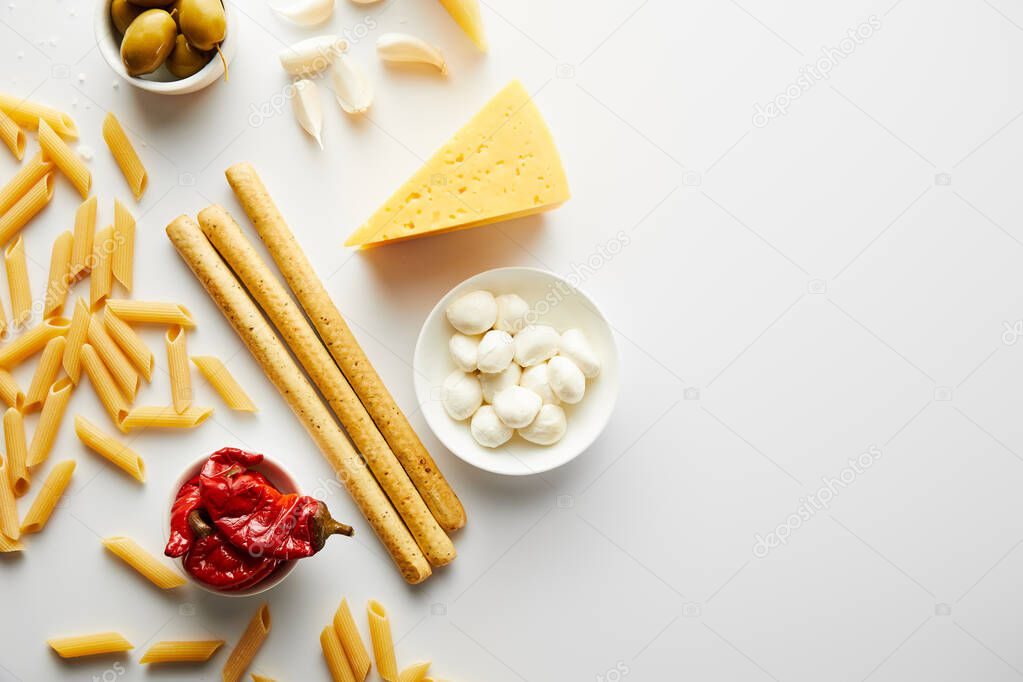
(181, 535)
(218, 563)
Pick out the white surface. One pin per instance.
(432, 363)
(639, 554)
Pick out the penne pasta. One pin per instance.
(110, 448)
(46, 373)
(181, 652)
(3, 322)
(8, 545)
(10, 393)
(89, 645)
(63, 157)
(17, 282)
(27, 114)
(177, 365)
(348, 633)
(76, 334)
(103, 384)
(30, 174)
(124, 245)
(32, 341)
(151, 312)
(49, 421)
(46, 499)
(125, 155)
(383, 643)
(243, 652)
(17, 452)
(125, 376)
(9, 526)
(415, 672)
(59, 281)
(12, 136)
(261, 678)
(334, 655)
(85, 231)
(150, 567)
(159, 417)
(131, 344)
(26, 207)
(101, 279)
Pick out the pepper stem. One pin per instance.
(324, 526)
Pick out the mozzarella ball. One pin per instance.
(464, 351)
(511, 313)
(567, 380)
(535, 344)
(517, 406)
(496, 351)
(548, 427)
(461, 394)
(473, 313)
(535, 379)
(576, 348)
(495, 383)
(487, 429)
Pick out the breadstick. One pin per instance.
(342, 345)
(238, 253)
(281, 369)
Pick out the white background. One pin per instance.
(791, 295)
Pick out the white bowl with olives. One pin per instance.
(169, 47)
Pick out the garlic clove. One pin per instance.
(305, 12)
(308, 111)
(351, 86)
(402, 47)
(312, 55)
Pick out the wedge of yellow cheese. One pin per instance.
(503, 164)
(467, 14)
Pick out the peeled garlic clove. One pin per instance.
(567, 380)
(461, 395)
(495, 383)
(517, 406)
(465, 351)
(535, 344)
(487, 428)
(548, 428)
(575, 347)
(308, 111)
(351, 87)
(312, 55)
(306, 12)
(496, 351)
(401, 47)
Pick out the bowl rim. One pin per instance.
(109, 47)
(281, 478)
(528, 470)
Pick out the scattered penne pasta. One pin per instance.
(262, 678)
(17, 282)
(110, 448)
(85, 232)
(49, 421)
(75, 338)
(131, 344)
(46, 373)
(125, 155)
(334, 655)
(12, 136)
(10, 393)
(181, 652)
(63, 157)
(26, 207)
(414, 673)
(383, 643)
(46, 499)
(103, 383)
(348, 633)
(30, 174)
(149, 566)
(124, 245)
(8, 545)
(101, 279)
(17, 452)
(125, 376)
(89, 645)
(27, 114)
(151, 312)
(9, 526)
(177, 365)
(160, 417)
(32, 341)
(59, 281)
(243, 652)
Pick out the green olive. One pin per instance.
(150, 3)
(203, 22)
(147, 42)
(185, 60)
(123, 13)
